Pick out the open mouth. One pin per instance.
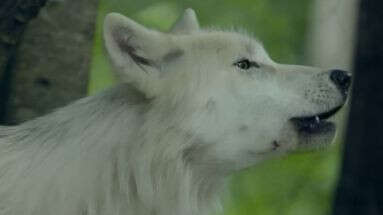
(315, 123)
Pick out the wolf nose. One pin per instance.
(341, 79)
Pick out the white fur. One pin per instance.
(163, 141)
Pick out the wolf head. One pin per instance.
(222, 88)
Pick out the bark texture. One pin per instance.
(52, 62)
(360, 187)
(14, 16)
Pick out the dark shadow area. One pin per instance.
(5, 81)
(361, 184)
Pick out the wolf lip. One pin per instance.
(315, 123)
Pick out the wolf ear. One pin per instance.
(186, 24)
(134, 50)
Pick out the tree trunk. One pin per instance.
(331, 37)
(52, 62)
(360, 189)
(14, 15)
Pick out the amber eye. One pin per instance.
(245, 64)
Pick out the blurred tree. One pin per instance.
(14, 15)
(331, 35)
(361, 185)
(52, 61)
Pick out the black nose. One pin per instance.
(341, 79)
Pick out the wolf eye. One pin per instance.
(245, 64)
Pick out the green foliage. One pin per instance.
(293, 185)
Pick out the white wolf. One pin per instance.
(194, 106)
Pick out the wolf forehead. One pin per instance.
(216, 42)
(206, 40)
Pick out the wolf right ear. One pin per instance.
(186, 24)
(135, 51)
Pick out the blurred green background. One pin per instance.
(292, 185)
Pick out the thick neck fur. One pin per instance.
(103, 156)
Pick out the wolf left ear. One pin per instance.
(135, 51)
(186, 24)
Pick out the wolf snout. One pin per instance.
(341, 79)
